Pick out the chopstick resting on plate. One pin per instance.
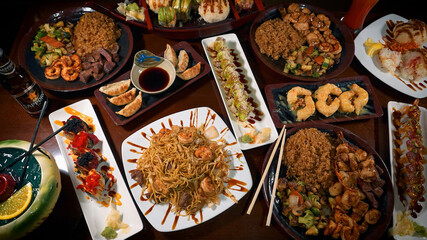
(276, 177)
(264, 174)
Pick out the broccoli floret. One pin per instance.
(40, 34)
(307, 220)
(314, 199)
(48, 58)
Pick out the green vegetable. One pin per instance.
(315, 211)
(312, 231)
(325, 63)
(40, 34)
(109, 233)
(48, 58)
(420, 230)
(167, 17)
(315, 200)
(245, 139)
(132, 7)
(307, 220)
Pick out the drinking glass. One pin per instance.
(357, 13)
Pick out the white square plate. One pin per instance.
(232, 42)
(376, 31)
(239, 169)
(398, 206)
(95, 213)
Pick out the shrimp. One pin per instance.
(69, 74)
(324, 23)
(66, 60)
(204, 153)
(307, 110)
(346, 103)
(361, 99)
(186, 135)
(76, 62)
(52, 72)
(207, 187)
(292, 96)
(322, 95)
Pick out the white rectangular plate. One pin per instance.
(95, 213)
(233, 43)
(398, 206)
(239, 168)
(376, 31)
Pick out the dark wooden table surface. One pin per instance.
(67, 221)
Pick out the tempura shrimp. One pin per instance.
(346, 102)
(322, 95)
(292, 97)
(361, 99)
(307, 110)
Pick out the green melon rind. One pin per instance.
(50, 187)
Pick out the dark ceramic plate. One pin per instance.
(151, 100)
(386, 201)
(339, 30)
(195, 28)
(26, 57)
(282, 114)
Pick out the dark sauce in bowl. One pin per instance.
(154, 79)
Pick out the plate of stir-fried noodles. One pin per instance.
(185, 169)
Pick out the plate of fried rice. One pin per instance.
(312, 198)
(95, 38)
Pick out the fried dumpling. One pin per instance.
(191, 72)
(170, 55)
(117, 88)
(123, 98)
(132, 107)
(183, 60)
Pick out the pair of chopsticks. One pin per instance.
(281, 138)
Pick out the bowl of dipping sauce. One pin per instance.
(153, 78)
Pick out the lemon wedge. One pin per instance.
(372, 47)
(17, 203)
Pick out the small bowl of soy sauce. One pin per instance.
(152, 74)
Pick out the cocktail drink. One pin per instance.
(357, 13)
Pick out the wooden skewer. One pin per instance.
(264, 174)
(276, 177)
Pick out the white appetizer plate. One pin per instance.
(95, 213)
(232, 42)
(239, 169)
(376, 31)
(398, 206)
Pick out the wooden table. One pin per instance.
(67, 221)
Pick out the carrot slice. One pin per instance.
(52, 41)
(319, 60)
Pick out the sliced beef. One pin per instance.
(109, 66)
(105, 54)
(85, 75)
(98, 76)
(137, 176)
(97, 67)
(184, 199)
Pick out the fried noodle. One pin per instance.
(184, 168)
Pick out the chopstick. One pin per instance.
(276, 177)
(264, 174)
(18, 184)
